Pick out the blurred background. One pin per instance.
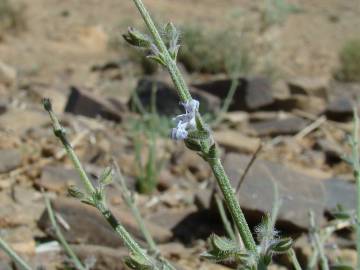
(277, 79)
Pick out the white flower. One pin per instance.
(185, 122)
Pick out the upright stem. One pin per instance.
(171, 66)
(233, 204)
(292, 256)
(12, 254)
(356, 169)
(215, 164)
(129, 242)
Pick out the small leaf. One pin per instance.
(137, 39)
(281, 245)
(75, 192)
(199, 135)
(193, 145)
(157, 58)
(137, 262)
(213, 152)
(106, 176)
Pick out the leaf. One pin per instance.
(137, 39)
(138, 262)
(75, 192)
(193, 145)
(281, 245)
(106, 176)
(199, 135)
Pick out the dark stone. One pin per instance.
(88, 226)
(288, 126)
(340, 109)
(83, 102)
(340, 191)
(298, 192)
(167, 99)
(251, 94)
(332, 151)
(9, 160)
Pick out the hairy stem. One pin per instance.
(292, 256)
(356, 171)
(224, 218)
(233, 204)
(129, 242)
(215, 164)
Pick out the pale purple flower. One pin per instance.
(185, 122)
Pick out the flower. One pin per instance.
(185, 122)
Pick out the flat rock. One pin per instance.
(274, 127)
(10, 159)
(251, 94)
(9, 121)
(340, 108)
(88, 226)
(340, 191)
(167, 99)
(299, 192)
(57, 178)
(82, 102)
(312, 86)
(235, 141)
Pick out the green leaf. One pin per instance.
(137, 262)
(193, 145)
(213, 152)
(199, 135)
(157, 58)
(75, 192)
(137, 39)
(281, 245)
(106, 176)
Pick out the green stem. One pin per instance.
(233, 204)
(61, 238)
(318, 244)
(171, 66)
(12, 254)
(292, 256)
(129, 242)
(356, 168)
(216, 165)
(225, 220)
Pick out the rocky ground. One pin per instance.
(301, 119)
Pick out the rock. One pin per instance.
(58, 178)
(9, 121)
(105, 258)
(203, 199)
(251, 94)
(235, 141)
(167, 99)
(287, 126)
(309, 86)
(339, 109)
(332, 150)
(298, 192)
(83, 102)
(21, 239)
(310, 104)
(8, 75)
(237, 117)
(339, 191)
(10, 159)
(88, 226)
